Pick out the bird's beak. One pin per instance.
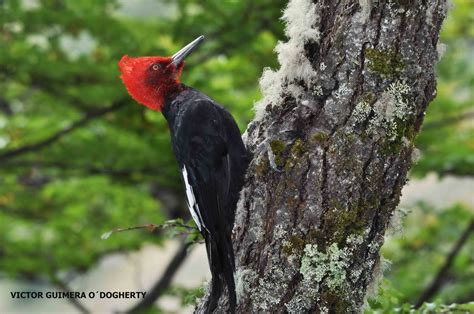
(184, 52)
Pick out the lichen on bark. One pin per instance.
(332, 143)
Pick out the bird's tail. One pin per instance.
(221, 262)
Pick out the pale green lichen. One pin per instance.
(366, 7)
(363, 108)
(325, 277)
(343, 91)
(392, 111)
(331, 265)
(243, 279)
(361, 112)
(398, 91)
(279, 232)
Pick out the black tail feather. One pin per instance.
(221, 262)
(216, 291)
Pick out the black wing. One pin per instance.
(203, 155)
(202, 148)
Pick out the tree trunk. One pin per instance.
(332, 143)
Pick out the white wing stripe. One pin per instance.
(192, 204)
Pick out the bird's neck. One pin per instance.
(168, 107)
(162, 92)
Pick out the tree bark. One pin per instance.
(332, 143)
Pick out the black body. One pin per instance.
(208, 144)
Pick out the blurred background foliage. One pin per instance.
(78, 157)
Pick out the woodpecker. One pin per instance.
(208, 148)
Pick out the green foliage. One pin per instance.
(419, 252)
(61, 229)
(416, 256)
(58, 64)
(389, 302)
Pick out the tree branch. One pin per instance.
(91, 115)
(5, 107)
(64, 287)
(123, 172)
(439, 279)
(163, 283)
(449, 120)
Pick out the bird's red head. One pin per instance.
(150, 79)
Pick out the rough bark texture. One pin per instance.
(332, 144)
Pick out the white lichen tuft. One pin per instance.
(366, 6)
(380, 267)
(440, 49)
(415, 155)
(395, 225)
(301, 19)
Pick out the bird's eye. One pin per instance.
(156, 66)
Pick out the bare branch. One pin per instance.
(64, 287)
(123, 172)
(163, 283)
(5, 107)
(91, 115)
(440, 277)
(174, 223)
(449, 120)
